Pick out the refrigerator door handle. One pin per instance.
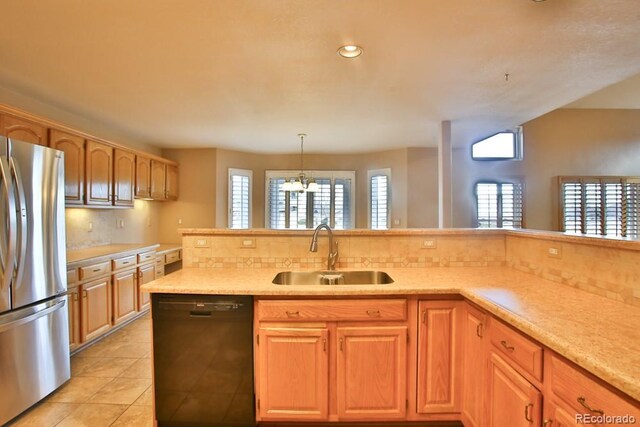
(7, 264)
(31, 317)
(21, 220)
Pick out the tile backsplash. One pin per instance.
(603, 267)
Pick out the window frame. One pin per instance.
(316, 174)
(370, 175)
(601, 180)
(518, 146)
(499, 220)
(248, 173)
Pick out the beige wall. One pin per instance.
(196, 204)
(418, 210)
(563, 142)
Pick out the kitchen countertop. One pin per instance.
(168, 247)
(599, 334)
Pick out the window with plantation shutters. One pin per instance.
(332, 204)
(601, 206)
(379, 200)
(240, 198)
(499, 205)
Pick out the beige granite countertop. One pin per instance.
(95, 253)
(598, 334)
(167, 247)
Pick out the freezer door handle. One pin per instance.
(21, 211)
(9, 247)
(32, 316)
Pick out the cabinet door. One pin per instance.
(125, 296)
(146, 273)
(124, 173)
(158, 180)
(473, 366)
(73, 307)
(99, 178)
(372, 372)
(293, 374)
(23, 130)
(143, 177)
(438, 357)
(73, 148)
(512, 400)
(96, 308)
(172, 182)
(558, 416)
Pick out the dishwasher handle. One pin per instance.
(200, 307)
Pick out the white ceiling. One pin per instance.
(251, 74)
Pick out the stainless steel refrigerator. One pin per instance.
(34, 328)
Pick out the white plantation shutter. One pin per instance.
(606, 206)
(332, 204)
(499, 205)
(239, 198)
(379, 202)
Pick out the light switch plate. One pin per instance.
(429, 244)
(554, 252)
(248, 243)
(202, 243)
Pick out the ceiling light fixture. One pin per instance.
(302, 183)
(350, 51)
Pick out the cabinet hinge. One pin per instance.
(258, 403)
(258, 342)
(407, 405)
(407, 338)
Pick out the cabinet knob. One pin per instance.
(373, 313)
(84, 294)
(324, 345)
(293, 314)
(547, 422)
(341, 344)
(424, 316)
(479, 330)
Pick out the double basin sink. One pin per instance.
(366, 277)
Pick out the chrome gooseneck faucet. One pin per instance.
(333, 254)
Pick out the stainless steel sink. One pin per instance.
(367, 277)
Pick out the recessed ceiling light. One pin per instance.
(350, 51)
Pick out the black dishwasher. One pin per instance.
(203, 360)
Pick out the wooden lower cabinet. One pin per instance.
(557, 415)
(473, 366)
(372, 373)
(293, 374)
(73, 307)
(512, 401)
(438, 386)
(125, 296)
(96, 306)
(146, 273)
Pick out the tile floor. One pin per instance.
(110, 385)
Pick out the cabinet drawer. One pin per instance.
(582, 393)
(333, 310)
(124, 262)
(146, 257)
(95, 270)
(172, 257)
(517, 348)
(72, 277)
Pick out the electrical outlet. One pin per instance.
(248, 243)
(202, 243)
(429, 244)
(90, 226)
(179, 221)
(554, 252)
(396, 222)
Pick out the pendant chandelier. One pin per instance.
(301, 184)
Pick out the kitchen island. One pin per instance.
(597, 334)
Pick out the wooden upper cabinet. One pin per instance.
(23, 130)
(99, 174)
(158, 180)
(124, 173)
(372, 373)
(74, 158)
(172, 182)
(143, 177)
(438, 357)
(512, 400)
